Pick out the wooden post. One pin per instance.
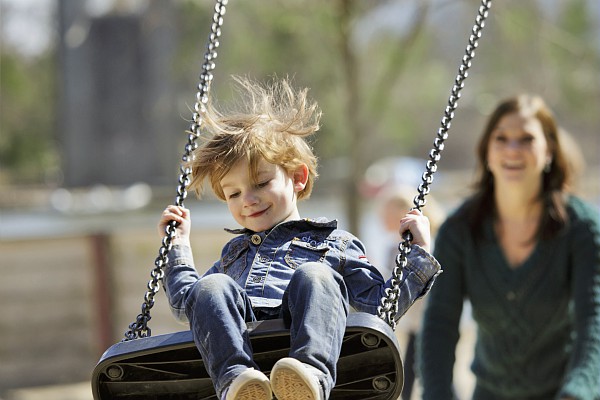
(103, 290)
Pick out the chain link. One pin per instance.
(139, 328)
(389, 303)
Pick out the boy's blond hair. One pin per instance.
(270, 122)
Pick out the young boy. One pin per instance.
(305, 271)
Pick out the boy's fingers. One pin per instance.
(175, 211)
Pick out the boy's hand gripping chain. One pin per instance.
(389, 303)
(139, 328)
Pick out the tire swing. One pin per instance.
(169, 366)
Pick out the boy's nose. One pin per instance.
(250, 198)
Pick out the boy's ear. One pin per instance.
(300, 177)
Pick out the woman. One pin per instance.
(526, 254)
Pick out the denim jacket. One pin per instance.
(263, 262)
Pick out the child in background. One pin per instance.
(306, 271)
(394, 201)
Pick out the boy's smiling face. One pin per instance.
(270, 200)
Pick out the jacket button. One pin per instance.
(255, 239)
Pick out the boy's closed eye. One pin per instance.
(258, 186)
(263, 184)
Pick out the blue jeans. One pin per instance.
(315, 306)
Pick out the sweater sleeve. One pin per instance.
(440, 332)
(582, 380)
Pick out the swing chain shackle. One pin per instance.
(388, 309)
(139, 328)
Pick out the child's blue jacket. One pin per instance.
(262, 263)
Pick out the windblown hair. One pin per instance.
(556, 181)
(270, 122)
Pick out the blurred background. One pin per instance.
(95, 98)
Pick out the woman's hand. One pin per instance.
(180, 215)
(418, 225)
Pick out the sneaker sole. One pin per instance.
(254, 388)
(288, 383)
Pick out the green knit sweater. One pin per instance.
(538, 325)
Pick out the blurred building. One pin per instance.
(117, 109)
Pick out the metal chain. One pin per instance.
(139, 328)
(389, 303)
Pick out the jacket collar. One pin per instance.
(320, 222)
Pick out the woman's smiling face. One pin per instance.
(518, 151)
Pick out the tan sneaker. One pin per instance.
(293, 380)
(250, 385)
